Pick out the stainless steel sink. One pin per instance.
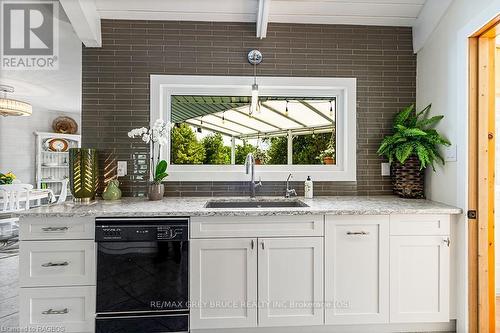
(255, 204)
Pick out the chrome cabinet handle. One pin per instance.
(55, 312)
(252, 244)
(353, 233)
(54, 264)
(54, 229)
(447, 241)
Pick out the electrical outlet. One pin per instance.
(386, 169)
(122, 168)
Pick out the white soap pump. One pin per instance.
(308, 188)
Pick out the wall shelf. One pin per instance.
(51, 176)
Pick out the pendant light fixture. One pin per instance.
(254, 58)
(12, 107)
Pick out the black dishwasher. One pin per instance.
(142, 275)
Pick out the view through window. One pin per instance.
(215, 130)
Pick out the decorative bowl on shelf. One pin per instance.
(56, 145)
(65, 125)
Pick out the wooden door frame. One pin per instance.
(481, 261)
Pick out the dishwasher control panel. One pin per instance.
(124, 230)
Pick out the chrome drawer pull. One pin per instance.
(54, 264)
(54, 229)
(361, 233)
(55, 312)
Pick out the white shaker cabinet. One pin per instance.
(223, 284)
(420, 268)
(290, 281)
(356, 269)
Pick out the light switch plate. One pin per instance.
(386, 169)
(122, 168)
(450, 153)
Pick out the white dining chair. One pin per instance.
(64, 191)
(16, 197)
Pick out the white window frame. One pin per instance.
(162, 87)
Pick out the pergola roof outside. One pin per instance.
(277, 116)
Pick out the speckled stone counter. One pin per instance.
(195, 206)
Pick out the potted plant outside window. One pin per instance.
(260, 156)
(327, 156)
(412, 147)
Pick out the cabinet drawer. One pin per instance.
(421, 224)
(56, 228)
(56, 263)
(256, 226)
(64, 309)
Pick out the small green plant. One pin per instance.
(414, 135)
(160, 172)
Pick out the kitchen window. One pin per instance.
(303, 126)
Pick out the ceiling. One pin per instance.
(422, 15)
(363, 12)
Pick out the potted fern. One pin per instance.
(411, 148)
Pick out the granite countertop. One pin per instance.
(194, 206)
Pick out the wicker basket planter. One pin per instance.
(408, 179)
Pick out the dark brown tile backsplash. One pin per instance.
(116, 86)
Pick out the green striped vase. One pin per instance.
(83, 174)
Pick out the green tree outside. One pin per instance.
(242, 151)
(306, 149)
(215, 151)
(185, 148)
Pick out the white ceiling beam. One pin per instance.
(263, 18)
(427, 21)
(85, 20)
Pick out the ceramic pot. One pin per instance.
(112, 191)
(258, 161)
(328, 160)
(156, 192)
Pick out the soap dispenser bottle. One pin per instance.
(308, 188)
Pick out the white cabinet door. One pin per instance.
(290, 281)
(223, 282)
(357, 269)
(420, 279)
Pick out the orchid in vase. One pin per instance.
(156, 136)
